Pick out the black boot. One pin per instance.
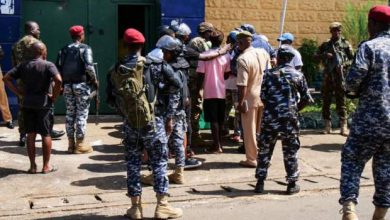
(293, 188)
(259, 186)
(22, 140)
(57, 134)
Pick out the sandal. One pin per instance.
(51, 170)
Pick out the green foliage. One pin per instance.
(355, 23)
(310, 68)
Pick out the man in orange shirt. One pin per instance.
(250, 70)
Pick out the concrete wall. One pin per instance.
(304, 18)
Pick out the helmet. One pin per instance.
(286, 51)
(167, 42)
(180, 28)
(248, 27)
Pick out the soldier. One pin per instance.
(36, 75)
(284, 93)
(336, 54)
(150, 134)
(20, 54)
(75, 63)
(368, 80)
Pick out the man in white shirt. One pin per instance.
(288, 38)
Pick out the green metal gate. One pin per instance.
(102, 23)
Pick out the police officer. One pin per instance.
(75, 64)
(152, 136)
(336, 54)
(368, 79)
(284, 93)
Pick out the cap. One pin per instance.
(167, 42)
(76, 30)
(133, 36)
(233, 35)
(380, 13)
(248, 27)
(335, 25)
(286, 36)
(286, 50)
(205, 26)
(243, 34)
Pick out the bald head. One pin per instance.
(38, 49)
(32, 28)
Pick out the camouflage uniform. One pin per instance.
(369, 135)
(196, 83)
(77, 93)
(20, 54)
(77, 108)
(176, 140)
(333, 77)
(283, 89)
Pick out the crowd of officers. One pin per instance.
(160, 98)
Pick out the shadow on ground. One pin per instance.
(89, 217)
(231, 192)
(9, 171)
(325, 147)
(117, 182)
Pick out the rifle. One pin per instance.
(95, 94)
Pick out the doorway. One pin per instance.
(130, 16)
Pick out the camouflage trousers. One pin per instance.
(196, 92)
(333, 84)
(232, 102)
(290, 146)
(176, 140)
(135, 141)
(77, 107)
(356, 152)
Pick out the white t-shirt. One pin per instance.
(297, 60)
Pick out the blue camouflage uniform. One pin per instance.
(176, 140)
(76, 90)
(283, 89)
(369, 135)
(152, 137)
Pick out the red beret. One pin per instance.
(132, 36)
(76, 30)
(380, 13)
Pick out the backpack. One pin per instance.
(71, 64)
(130, 93)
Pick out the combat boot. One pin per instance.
(379, 213)
(135, 211)
(81, 147)
(164, 210)
(349, 211)
(177, 176)
(327, 126)
(147, 179)
(293, 188)
(343, 128)
(71, 144)
(259, 186)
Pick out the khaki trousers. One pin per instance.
(4, 108)
(251, 121)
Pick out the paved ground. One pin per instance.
(93, 186)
